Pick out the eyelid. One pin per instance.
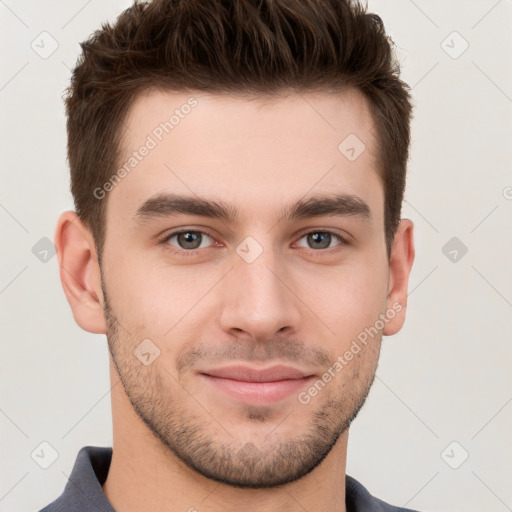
(172, 234)
(344, 238)
(342, 243)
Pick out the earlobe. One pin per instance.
(80, 272)
(401, 260)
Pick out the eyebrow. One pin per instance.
(165, 205)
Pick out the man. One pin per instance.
(238, 170)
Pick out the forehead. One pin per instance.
(247, 151)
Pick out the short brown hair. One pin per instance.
(256, 47)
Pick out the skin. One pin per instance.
(293, 304)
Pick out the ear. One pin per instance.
(80, 272)
(400, 264)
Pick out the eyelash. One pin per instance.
(194, 252)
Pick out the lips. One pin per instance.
(248, 374)
(256, 386)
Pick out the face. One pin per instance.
(244, 260)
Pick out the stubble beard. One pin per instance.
(196, 438)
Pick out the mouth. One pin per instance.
(252, 385)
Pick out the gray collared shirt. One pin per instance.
(83, 492)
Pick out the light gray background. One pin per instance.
(445, 377)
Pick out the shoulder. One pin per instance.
(358, 499)
(83, 491)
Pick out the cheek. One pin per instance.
(348, 299)
(154, 296)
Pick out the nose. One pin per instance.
(259, 299)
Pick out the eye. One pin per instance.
(322, 239)
(187, 239)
